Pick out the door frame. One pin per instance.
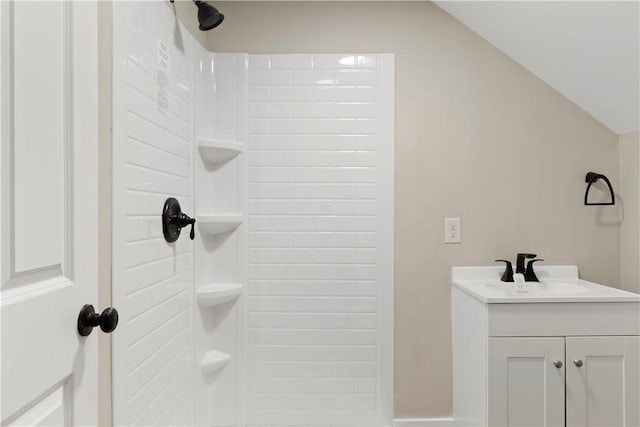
(105, 144)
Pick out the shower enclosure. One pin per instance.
(280, 312)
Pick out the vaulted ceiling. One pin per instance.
(589, 51)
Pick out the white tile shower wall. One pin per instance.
(320, 231)
(220, 99)
(152, 160)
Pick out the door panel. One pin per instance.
(48, 267)
(525, 388)
(52, 410)
(605, 390)
(40, 135)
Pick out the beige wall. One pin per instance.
(630, 196)
(477, 137)
(186, 13)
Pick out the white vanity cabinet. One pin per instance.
(524, 387)
(534, 381)
(603, 390)
(538, 361)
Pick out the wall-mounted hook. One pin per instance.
(173, 220)
(590, 179)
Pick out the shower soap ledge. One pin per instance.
(215, 223)
(218, 293)
(214, 151)
(213, 361)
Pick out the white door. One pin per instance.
(603, 381)
(526, 382)
(48, 231)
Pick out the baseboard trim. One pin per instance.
(423, 422)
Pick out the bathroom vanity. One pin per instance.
(565, 353)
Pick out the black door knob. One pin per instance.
(89, 319)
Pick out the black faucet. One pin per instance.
(529, 274)
(520, 261)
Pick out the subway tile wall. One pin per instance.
(152, 279)
(314, 218)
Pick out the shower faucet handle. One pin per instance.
(173, 220)
(181, 220)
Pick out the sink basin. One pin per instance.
(557, 284)
(542, 288)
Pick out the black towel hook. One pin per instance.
(590, 179)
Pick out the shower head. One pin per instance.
(208, 16)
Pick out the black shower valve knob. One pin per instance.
(174, 220)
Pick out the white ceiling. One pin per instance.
(588, 51)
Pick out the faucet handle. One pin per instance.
(529, 274)
(507, 276)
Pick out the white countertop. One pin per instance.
(557, 284)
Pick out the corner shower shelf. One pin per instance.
(218, 293)
(214, 151)
(219, 222)
(213, 361)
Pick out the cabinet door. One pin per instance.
(526, 382)
(603, 381)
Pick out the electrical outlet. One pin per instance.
(452, 230)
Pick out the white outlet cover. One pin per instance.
(452, 230)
